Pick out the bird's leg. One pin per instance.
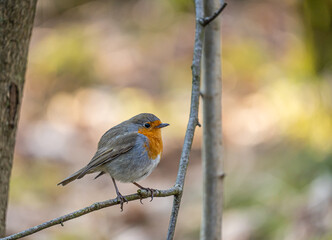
(121, 198)
(146, 189)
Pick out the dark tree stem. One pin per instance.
(16, 21)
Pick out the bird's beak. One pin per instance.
(161, 125)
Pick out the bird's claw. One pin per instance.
(151, 190)
(122, 200)
(140, 196)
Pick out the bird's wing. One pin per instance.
(110, 150)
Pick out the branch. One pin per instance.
(142, 194)
(212, 153)
(205, 21)
(201, 22)
(193, 117)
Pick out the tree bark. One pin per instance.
(212, 136)
(16, 21)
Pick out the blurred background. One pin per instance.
(93, 64)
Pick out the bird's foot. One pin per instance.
(121, 199)
(151, 190)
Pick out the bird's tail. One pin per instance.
(77, 175)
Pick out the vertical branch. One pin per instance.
(193, 117)
(201, 23)
(212, 135)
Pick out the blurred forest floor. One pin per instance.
(93, 64)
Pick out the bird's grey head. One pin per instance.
(147, 120)
(142, 118)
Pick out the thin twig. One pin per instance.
(205, 21)
(94, 207)
(193, 118)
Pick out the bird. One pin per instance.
(128, 152)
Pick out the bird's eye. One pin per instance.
(147, 125)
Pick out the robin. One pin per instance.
(129, 152)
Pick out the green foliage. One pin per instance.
(40, 188)
(318, 27)
(183, 5)
(64, 59)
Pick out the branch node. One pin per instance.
(202, 21)
(221, 175)
(206, 20)
(198, 123)
(61, 223)
(179, 188)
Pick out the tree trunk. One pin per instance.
(16, 24)
(212, 148)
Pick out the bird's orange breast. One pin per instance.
(155, 146)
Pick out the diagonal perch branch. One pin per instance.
(94, 207)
